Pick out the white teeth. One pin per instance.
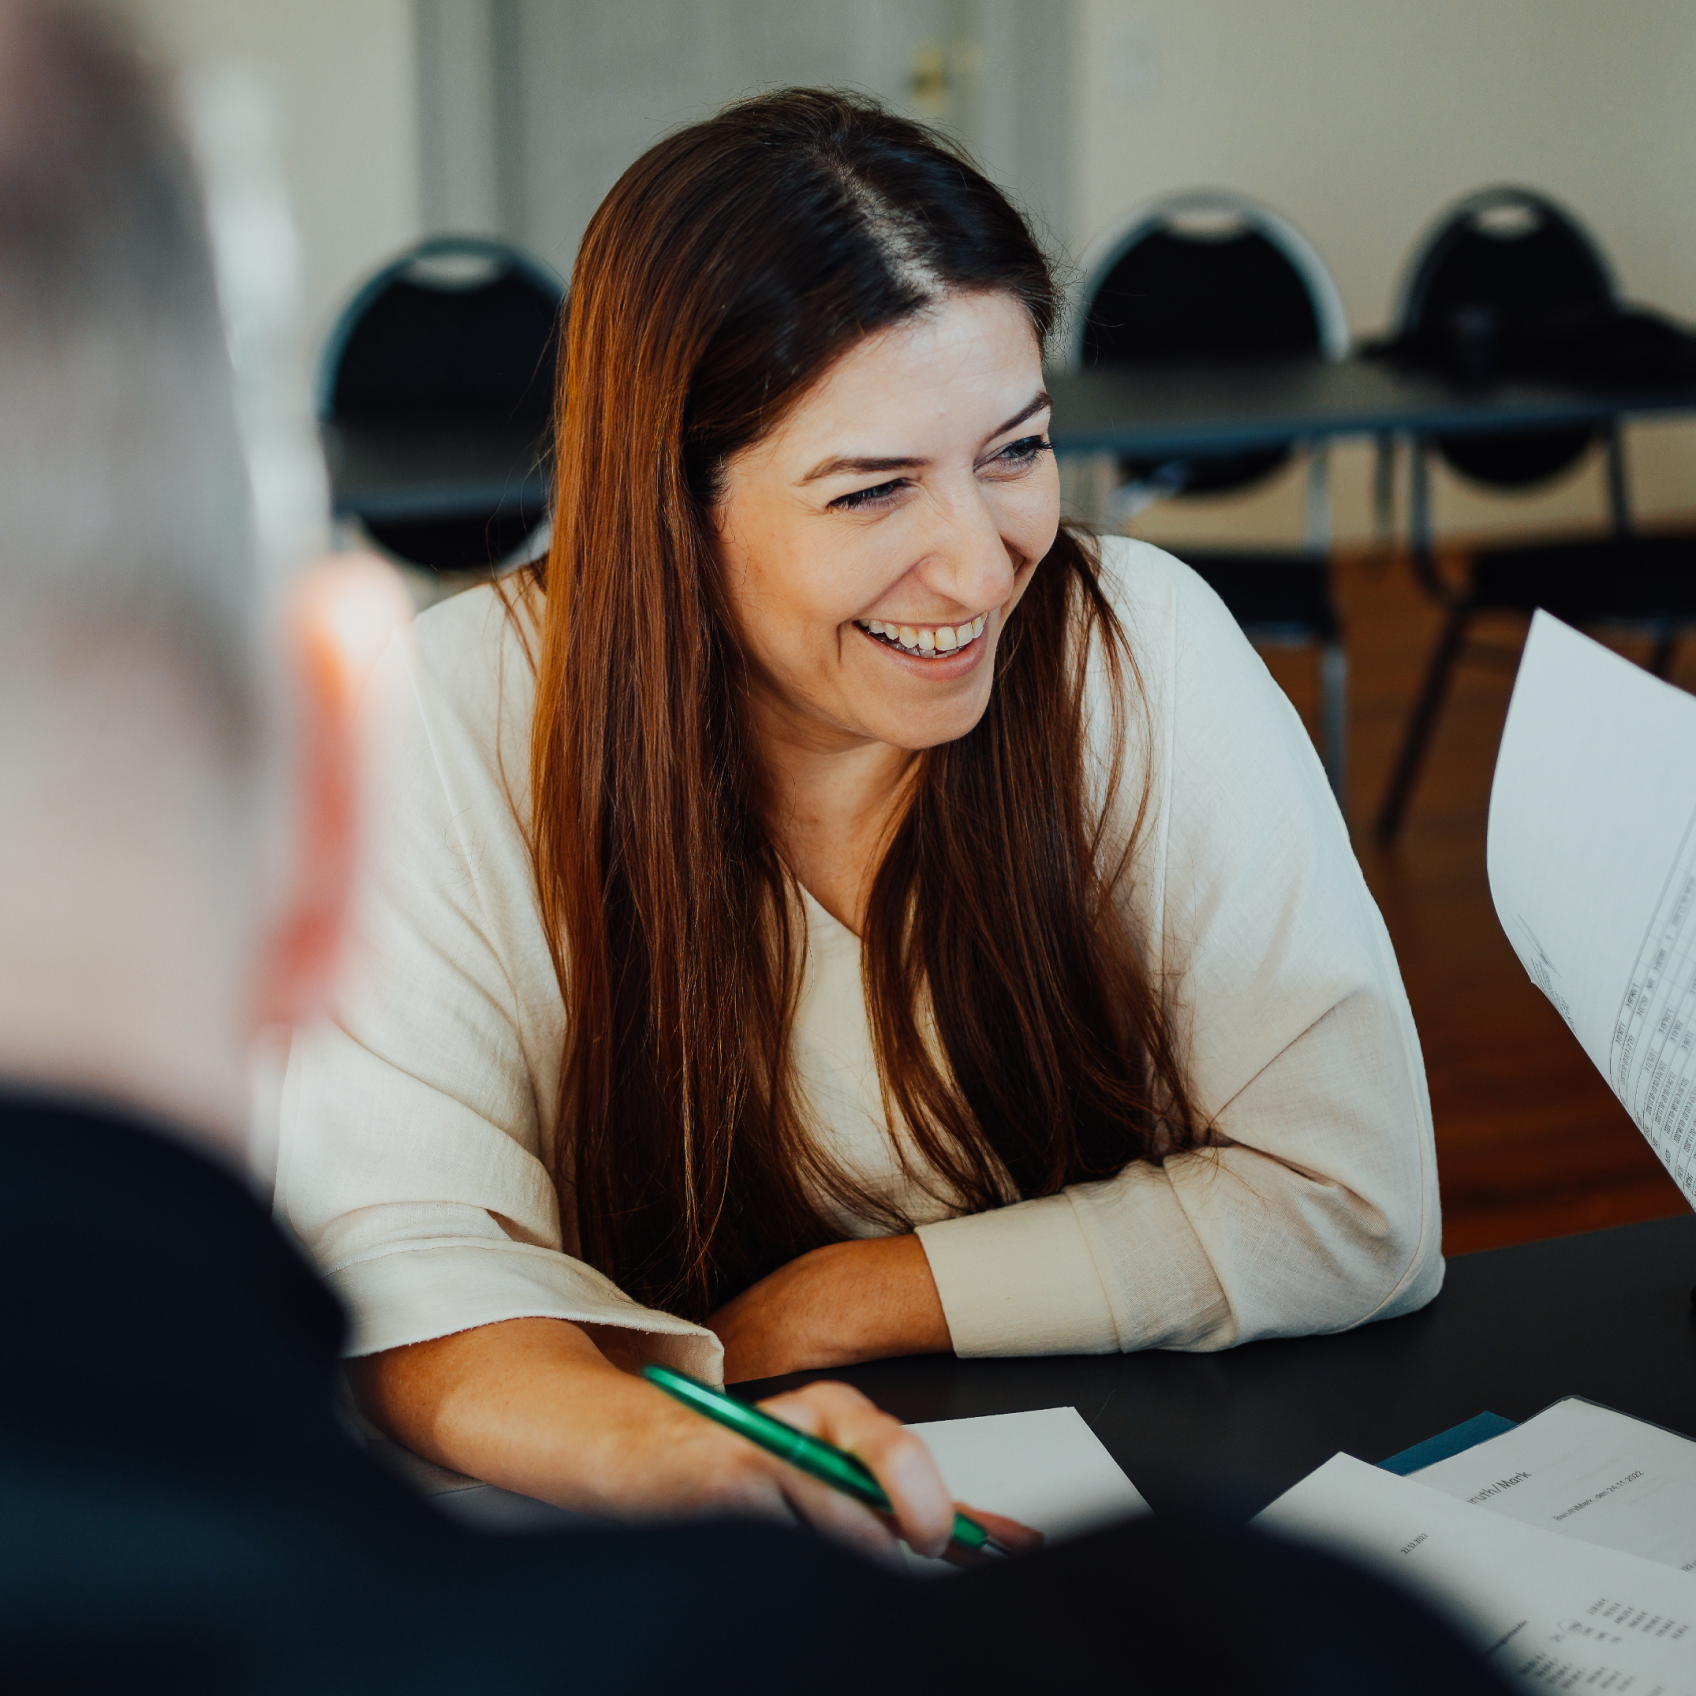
(940, 639)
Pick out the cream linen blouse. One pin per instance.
(416, 1127)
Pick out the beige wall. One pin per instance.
(1360, 119)
(344, 76)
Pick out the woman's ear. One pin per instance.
(336, 625)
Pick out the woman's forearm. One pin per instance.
(530, 1404)
(864, 1300)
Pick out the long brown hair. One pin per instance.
(1019, 1038)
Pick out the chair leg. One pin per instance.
(1421, 723)
(1384, 491)
(1334, 709)
(1666, 644)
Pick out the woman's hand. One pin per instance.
(924, 1514)
(534, 1406)
(862, 1300)
(824, 1408)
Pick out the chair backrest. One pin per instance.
(1206, 275)
(458, 336)
(1493, 275)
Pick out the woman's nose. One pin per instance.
(968, 558)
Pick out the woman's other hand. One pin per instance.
(862, 1300)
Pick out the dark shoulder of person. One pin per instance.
(182, 1509)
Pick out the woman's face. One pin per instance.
(875, 544)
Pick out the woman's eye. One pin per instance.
(878, 496)
(1026, 451)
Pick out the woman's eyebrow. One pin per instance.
(1036, 405)
(831, 467)
(834, 467)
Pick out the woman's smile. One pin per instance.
(933, 653)
(930, 641)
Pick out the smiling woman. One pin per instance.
(834, 910)
(870, 611)
(928, 560)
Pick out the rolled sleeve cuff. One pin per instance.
(412, 1295)
(1164, 1288)
(1020, 1280)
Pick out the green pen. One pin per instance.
(811, 1455)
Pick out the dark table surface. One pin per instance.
(1184, 409)
(1606, 1315)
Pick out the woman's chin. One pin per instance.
(924, 727)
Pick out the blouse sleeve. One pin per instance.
(415, 1124)
(1316, 1209)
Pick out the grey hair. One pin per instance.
(125, 514)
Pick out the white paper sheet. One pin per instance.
(1547, 1612)
(1046, 1469)
(1585, 1472)
(1592, 863)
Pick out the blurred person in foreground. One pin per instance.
(180, 1506)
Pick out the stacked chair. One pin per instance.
(1505, 276)
(435, 390)
(1211, 276)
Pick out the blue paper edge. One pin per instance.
(1479, 1429)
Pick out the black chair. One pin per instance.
(435, 388)
(1503, 279)
(1209, 276)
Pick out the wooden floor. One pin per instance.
(1530, 1141)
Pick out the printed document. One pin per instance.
(1545, 1611)
(1592, 862)
(1589, 1473)
(1046, 1469)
